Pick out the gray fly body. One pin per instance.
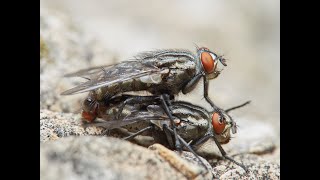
(163, 53)
(159, 72)
(193, 123)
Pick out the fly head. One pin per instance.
(221, 128)
(90, 108)
(211, 64)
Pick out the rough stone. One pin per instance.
(253, 137)
(258, 168)
(54, 125)
(101, 158)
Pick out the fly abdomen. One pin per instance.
(104, 93)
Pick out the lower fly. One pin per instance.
(193, 123)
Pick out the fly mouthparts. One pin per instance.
(234, 129)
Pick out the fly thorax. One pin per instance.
(185, 65)
(152, 79)
(199, 67)
(125, 112)
(111, 111)
(200, 123)
(191, 128)
(99, 94)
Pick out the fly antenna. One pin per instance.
(196, 46)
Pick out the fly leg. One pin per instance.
(138, 133)
(169, 137)
(206, 96)
(224, 154)
(191, 84)
(186, 145)
(164, 102)
(201, 140)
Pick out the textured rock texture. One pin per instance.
(55, 125)
(102, 158)
(110, 158)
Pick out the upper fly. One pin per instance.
(167, 71)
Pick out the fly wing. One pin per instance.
(89, 72)
(150, 63)
(132, 118)
(107, 75)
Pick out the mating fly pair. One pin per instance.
(159, 72)
(162, 72)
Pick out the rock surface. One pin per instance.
(101, 158)
(110, 158)
(70, 151)
(55, 125)
(58, 126)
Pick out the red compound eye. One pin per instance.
(207, 62)
(218, 126)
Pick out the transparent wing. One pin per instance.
(132, 118)
(144, 64)
(107, 75)
(87, 72)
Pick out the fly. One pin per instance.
(193, 123)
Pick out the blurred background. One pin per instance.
(246, 32)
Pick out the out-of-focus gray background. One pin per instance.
(246, 32)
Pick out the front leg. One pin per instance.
(186, 145)
(206, 96)
(201, 140)
(224, 154)
(191, 84)
(138, 133)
